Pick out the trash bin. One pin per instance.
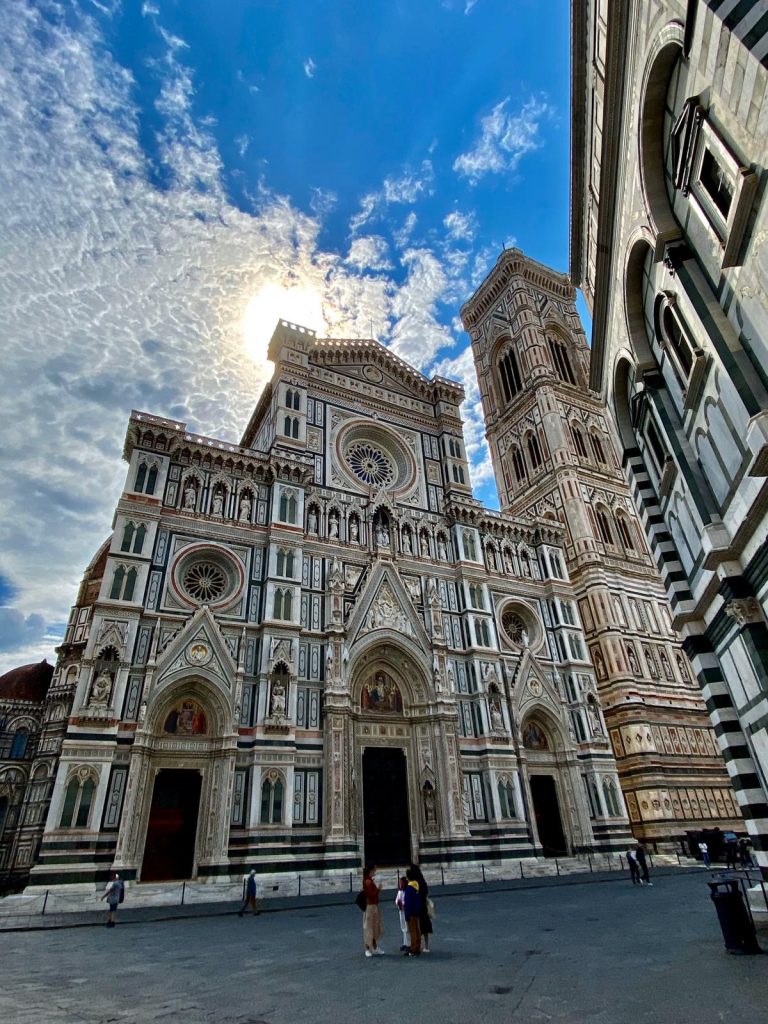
(734, 917)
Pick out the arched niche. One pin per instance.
(204, 700)
(400, 659)
(667, 49)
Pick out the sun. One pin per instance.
(299, 304)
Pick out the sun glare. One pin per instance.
(299, 304)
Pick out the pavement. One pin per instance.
(586, 949)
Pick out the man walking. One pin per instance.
(704, 851)
(642, 863)
(114, 894)
(250, 894)
(634, 869)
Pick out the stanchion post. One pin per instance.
(299, 885)
(45, 901)
(350, 881)
(183, 892)
(482, 868)
(522, 873)
(442, 873)
(557, 867)
(589, 859)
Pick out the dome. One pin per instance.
(27, 682)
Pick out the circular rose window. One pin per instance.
(370, 464)
(205, 581)
(207, 574)
(374, 456)
(520, 625)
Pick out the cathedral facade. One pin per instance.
(316, 647)
(669, 223)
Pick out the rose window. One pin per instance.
(516, 627)
(370, 464)
(205, 581)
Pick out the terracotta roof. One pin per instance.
(27, 682)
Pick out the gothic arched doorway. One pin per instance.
(542, 780)
(386, 822)
(169, 851)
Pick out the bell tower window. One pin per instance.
(510, 375)
(561, 360)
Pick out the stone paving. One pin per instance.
(571, 950)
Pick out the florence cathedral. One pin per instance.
(316, 648)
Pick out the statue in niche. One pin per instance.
(492, 557)
(277, 707)
(442, 550)
(190, 497)
(333, 526)
(101, 688)
(218, 504)
(354, 530)
(245, 509)
(508, 562)
(329, 661)
(382, 534)
(312, 521)
(430, 809)
(437, 675)
(632, 659)
(497, 719)
(594, 715)
(407, 547)
(424, 546)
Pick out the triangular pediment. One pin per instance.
(533, 688)
(199, 648)
(384, 605)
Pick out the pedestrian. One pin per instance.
(745, 857)
(250, 894)
(372, 929)
(400, 904)
(731, 854)
(704, 851)
(413, 903)
(425, 919)
(634, 869)
(114, 894)
(642, 863)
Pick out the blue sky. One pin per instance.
(177, 174)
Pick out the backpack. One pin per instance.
(121, 893)
(361, 901)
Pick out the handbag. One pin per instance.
(361, 901)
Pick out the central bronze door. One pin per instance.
(385, 807)
(169, 852)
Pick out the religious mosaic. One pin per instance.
(382, 694)
(186, 719)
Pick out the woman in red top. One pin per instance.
(372, 918)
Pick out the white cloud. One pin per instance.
(403, 235)
(410, 186)
(369, 252)
(249, 85)
(469, 5)
(504, 139)
(242, 142)
(460, 226)
(309, 68)
(19, 630)
(117, 292)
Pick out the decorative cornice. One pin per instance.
(514, 263)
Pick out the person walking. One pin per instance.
(634, 869)
(704, 851)
(413, 903)
(372, 929)
(425, 921)
(400, 904)
(745, 857)
(731, 854)
(250, 894)
(642, 864)
(114, 894)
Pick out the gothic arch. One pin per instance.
(410, 672)
(202, 687)
(666, 50)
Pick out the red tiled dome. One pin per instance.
(27, 682)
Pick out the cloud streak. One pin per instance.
(505, 138)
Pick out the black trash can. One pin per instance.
(734, 917)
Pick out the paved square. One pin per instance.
(602, 952)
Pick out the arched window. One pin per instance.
(293, 399)
(138, 542)
(482, 633)
(117, 583)
(509, 374)
(133, 536)
(287, 507)
(151, 481)
(518, 462)
(506, 798)
(458, 475)
(603, 526)
(19, 744)
(130, 585)
(578, 442)
(476, 595)
(77, 802)
(561, 360)
(595, 807)
(128, 533)
(611, 797)
(283, 606)
(624, 531)
(285, 563)
(141, 477)
(146, 479)
(271, 800)
(597, 448)
(534, 451)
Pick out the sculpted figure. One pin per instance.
(333, 527)
(218, 504)
(245, 509)
(100, 690)
(278, 699)
(190, 497)
(354, 530)
(407, 548)
(312, 521)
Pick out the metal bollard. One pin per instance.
(522, 873)
(183, 892)
(45, 901)
(350, 881)
(589, 860)
(482, 868)
(557, 867)
(299, 885)
(442, 873)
